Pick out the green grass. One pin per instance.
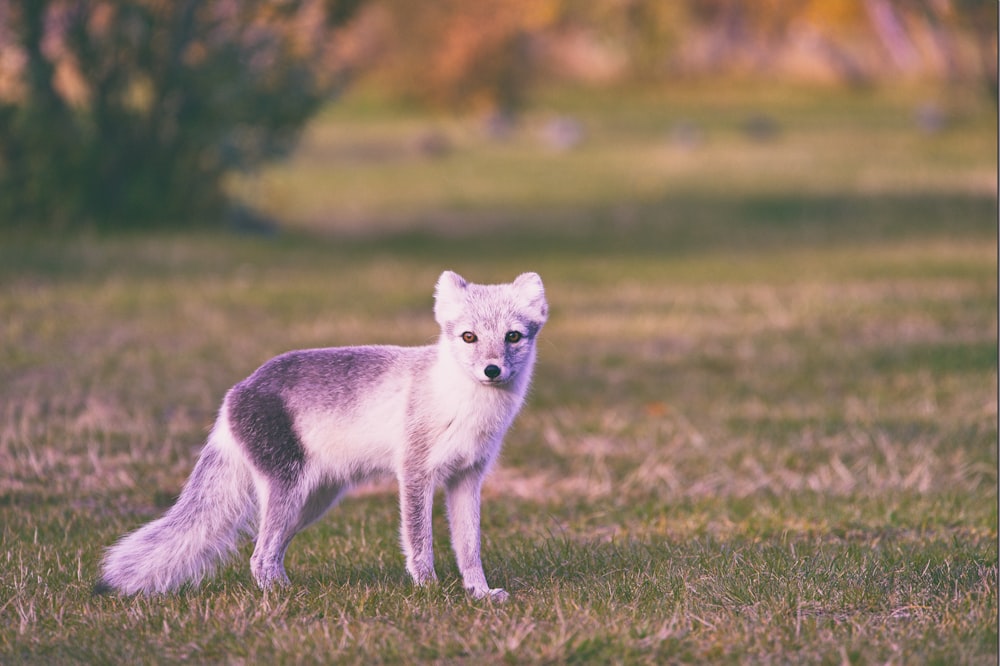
(763, 426)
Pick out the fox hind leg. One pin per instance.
(284, 513)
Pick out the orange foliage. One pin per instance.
(455, 52)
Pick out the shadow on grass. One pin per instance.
(684, 226)
(695, 225)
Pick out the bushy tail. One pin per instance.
(197, 533)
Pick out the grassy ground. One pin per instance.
(763, 427)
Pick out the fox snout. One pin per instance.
(495, 373)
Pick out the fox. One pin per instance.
(292, 438)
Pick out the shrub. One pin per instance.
(130, 113)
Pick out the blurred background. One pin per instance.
(768, 234)
(142, 113)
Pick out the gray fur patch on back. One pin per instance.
(261, 421)
(334, 378)
(262, 408)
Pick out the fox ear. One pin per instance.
(532, 294)
(449, 297)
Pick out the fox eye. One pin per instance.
(469, 337)
(513, 336)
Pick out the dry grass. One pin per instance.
(763, 427)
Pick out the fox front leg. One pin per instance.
(463, 499)
(416, 498)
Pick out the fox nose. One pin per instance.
(492, 371)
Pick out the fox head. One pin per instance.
(491, 329)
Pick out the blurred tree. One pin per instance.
(486, 54)
(464, 54)
(643, 32)
(130, 112)
(979, 17)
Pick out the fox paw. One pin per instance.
(496, 594)
(271, 578)
(422, 575)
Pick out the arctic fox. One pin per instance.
(307, 425)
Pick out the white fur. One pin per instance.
(430, 416)
(184, 545)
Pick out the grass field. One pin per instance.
(763, 426)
